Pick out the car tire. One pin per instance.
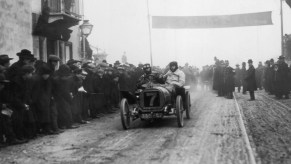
(125, 114)
(179, 111)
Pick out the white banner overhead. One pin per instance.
(221, 21)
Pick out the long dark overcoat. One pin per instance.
(41, 97)
(250, 79)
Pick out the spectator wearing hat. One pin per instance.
(228, 80)
(74, 63)
(272, 76)
(116, 64)
(243, 76)
(53, 62)
(281, 87)
(259, 75)
(237, 77)
(269, 77)
(109, 85)
(41, 98)
(23, 119)
(25, 58)
(266, 84)
(217, 76)
(63, 97)
(5, 61)
(90, 88)
(76, 106)
(6, 129)
(251, 80)
(99, 89)
(123, 79)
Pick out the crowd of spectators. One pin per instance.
(45, 98)
(274, 77)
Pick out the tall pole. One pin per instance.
(150, 32)
(84, 47)
(282, 27)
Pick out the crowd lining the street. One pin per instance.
(40, 98)
(273, 77)
(44, 98)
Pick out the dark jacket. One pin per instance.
(41, 98)
(14, 70)
(250, 79)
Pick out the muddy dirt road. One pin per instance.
(269, 124)
(212, 135)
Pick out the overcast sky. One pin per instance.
(121, 25)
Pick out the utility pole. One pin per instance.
(282, 27)
(150, 32)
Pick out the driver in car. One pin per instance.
(175, 78)
(148, 76)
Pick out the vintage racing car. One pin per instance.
(154, 102)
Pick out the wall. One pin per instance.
(36, 6)
(15, 26)
(75, 39)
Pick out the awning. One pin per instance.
(57, 30)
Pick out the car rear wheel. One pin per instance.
(187, 105)
(125, 114)
(179, 111)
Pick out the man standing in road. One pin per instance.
(250, 80)
(237, 77)
(281, 79)
(228, 75)
(243, 76)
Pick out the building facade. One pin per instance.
(15, 26)
(55, 25)
(43, 26)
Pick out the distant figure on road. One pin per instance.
(281, 87)
(250, 80)
(259, 75)
(228, 75)
(237, 77)
(243, 76)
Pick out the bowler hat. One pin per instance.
(26, 69)
(53, 58)
(250, 61)
(5, 57)
(25, 54)
(88, 65)
(64, 70)
(120, 68)
(147, 65)
(109, 69)
(44, 69)
(100, 71)
(281, 57)
(116, 62)
(72, 61)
